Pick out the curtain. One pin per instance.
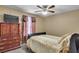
(25, 25)
(33, 25)
(29, 26)
(24, 28)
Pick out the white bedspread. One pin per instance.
(44, 44)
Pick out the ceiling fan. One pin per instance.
(44, 9)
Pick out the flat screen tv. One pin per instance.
(11, 18)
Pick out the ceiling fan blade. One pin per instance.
(38, 11)
(51, 11)
(52, 6)
(39, 6)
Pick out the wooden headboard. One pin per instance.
(34, 34)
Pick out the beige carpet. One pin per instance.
(19, 50)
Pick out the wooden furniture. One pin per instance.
(9, 36)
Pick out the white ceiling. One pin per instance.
(31, 8)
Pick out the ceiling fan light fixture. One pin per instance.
(44, 12)
(45, 9)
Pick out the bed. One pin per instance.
(43, 43)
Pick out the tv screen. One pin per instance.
(11, 18)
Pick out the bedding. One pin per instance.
(48, 43)
(55, 39)
(42, 44)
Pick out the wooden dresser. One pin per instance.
(9, 36)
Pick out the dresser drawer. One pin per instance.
(3, 48)
(16, 44)
(10, 41)
(10, 46)
(3, 39)
(3, 43)
(13, 45)
(17, 40)
(15, 37)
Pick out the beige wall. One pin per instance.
(62, 23)
(40, 25)
(19, 14)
